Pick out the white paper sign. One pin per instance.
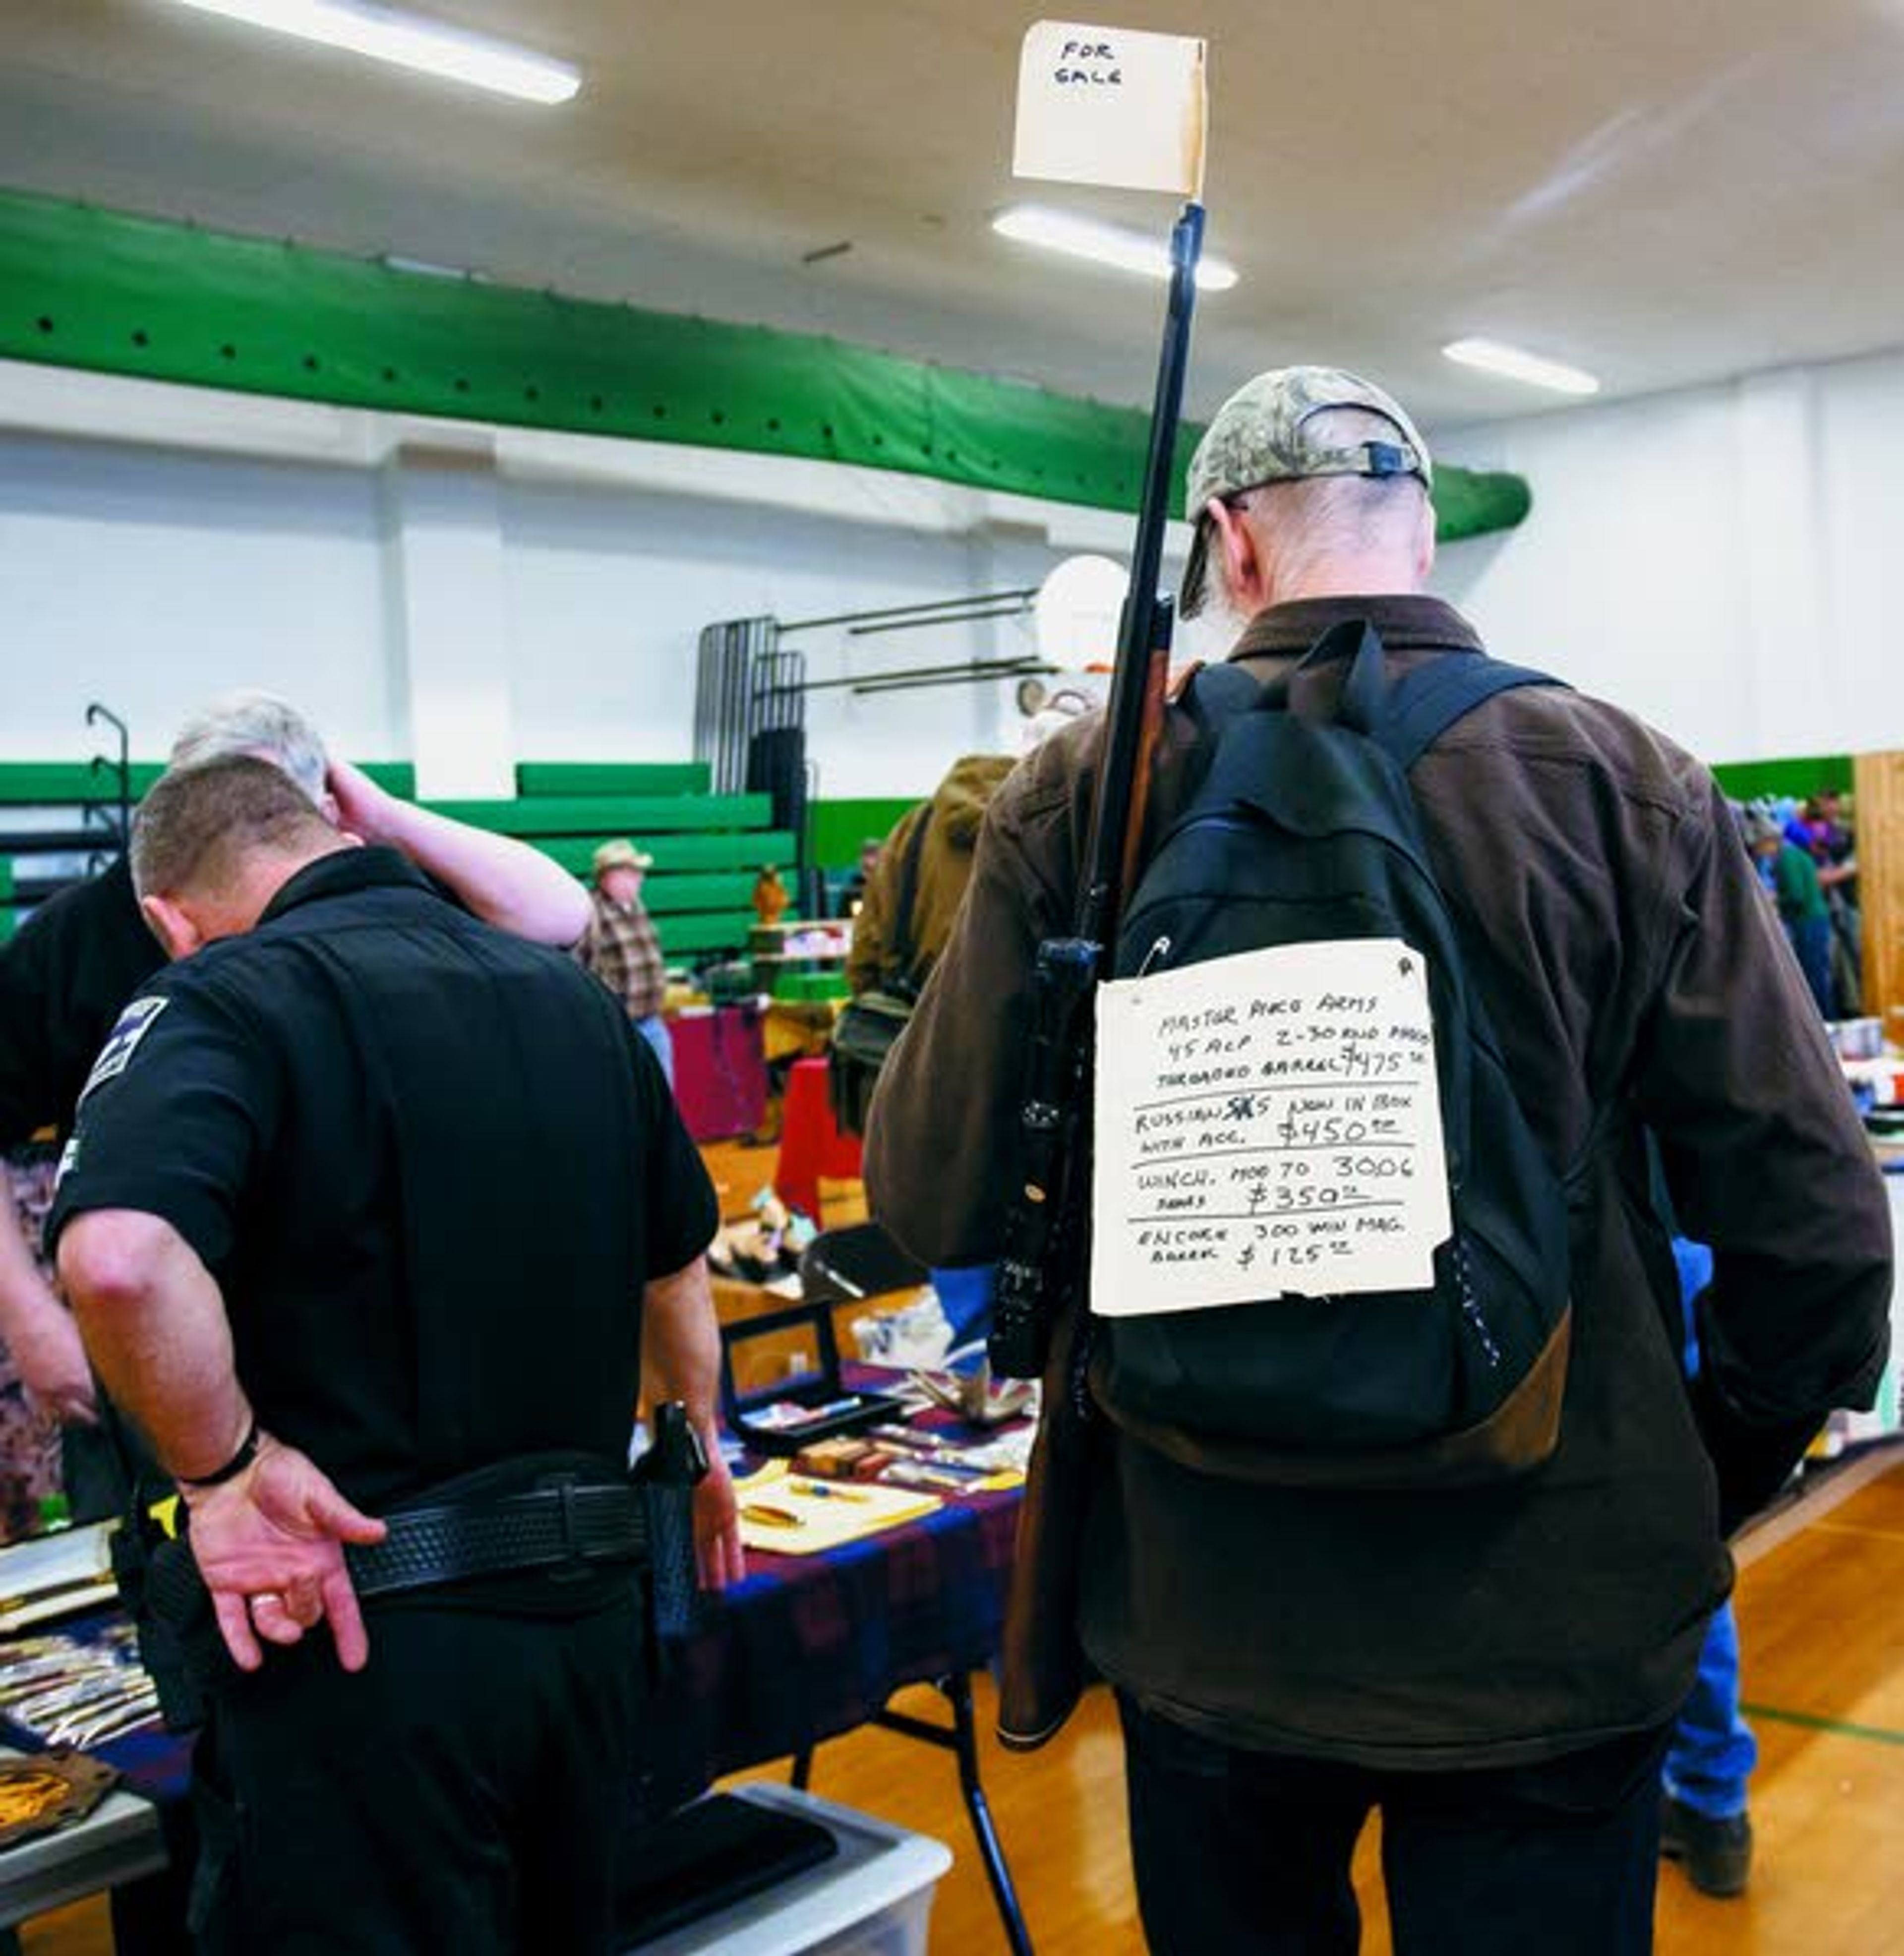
(1110, 105)
(1267, 1124)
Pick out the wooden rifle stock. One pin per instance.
(1042, 1318)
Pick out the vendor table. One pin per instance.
(806, 1648)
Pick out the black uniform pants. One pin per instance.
(463, 1795)
(1248, 1853)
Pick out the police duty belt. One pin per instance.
(559, 1526)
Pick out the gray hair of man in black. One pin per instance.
(260, 724)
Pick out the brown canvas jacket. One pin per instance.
(1615, 930)
(953, 816)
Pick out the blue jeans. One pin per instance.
(1712, 1751)
(655, 1032)
(1811, 940)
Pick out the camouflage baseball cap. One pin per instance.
(1258, 436)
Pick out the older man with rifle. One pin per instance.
(1495, 1665)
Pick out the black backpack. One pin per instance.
(1304, 831)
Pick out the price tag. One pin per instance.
(1267, 1124)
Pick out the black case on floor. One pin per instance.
(709, 1856)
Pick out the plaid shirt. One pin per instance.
(621, 947)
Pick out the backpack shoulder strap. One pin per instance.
(1425, 704)
(1215, 695)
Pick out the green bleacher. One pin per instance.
(612, 778)
(707, 848)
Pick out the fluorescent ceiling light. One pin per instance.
(1105, 244)
(383, 34)
(1492, 358)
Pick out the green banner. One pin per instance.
(112, 293)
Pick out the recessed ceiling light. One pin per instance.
(384, 34)
(1104, 244)
(1491, 357)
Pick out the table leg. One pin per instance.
(962, 1741)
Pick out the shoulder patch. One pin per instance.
(123, 1041)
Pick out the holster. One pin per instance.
(171, 1609)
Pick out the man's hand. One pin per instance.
(719, 1557)
(270, 1545)
(363, 808)
(51, 1360)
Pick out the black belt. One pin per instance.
(554, 1528)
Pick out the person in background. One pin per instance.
(1791, 875)
(912, 897)
(1704, 1820)
(895, 943)
(289, 1296)
(1496, 1668)
(853, 892)
(621, 949)
(1836, 851)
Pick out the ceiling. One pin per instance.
(1664, 191)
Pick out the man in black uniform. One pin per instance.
(369, 1207)
(81, 957)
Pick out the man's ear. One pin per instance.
(1425, 540)
(1246, 576)
(173, 926)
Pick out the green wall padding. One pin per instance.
(113, 293)
(612, 778)
(1748, 780)
(836, 828)
(27, 783)
(611, 815)
(745, 850)
(398, 777)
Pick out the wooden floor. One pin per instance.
(1821, 1622)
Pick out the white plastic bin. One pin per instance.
(873, 1898)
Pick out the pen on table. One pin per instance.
(767, 1517)
(820, 1490)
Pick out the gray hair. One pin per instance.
(260, 724)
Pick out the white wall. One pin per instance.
(507, 591)
(1717, 560)
(150, 579)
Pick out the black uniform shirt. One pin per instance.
(64, 981)
(430, 1166)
